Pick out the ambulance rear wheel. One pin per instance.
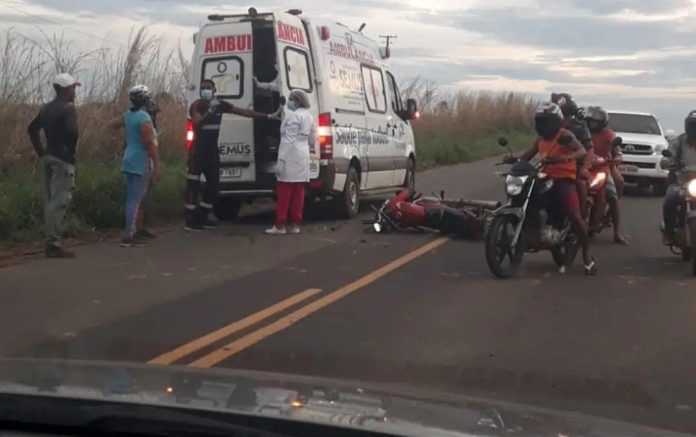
(228, 209)
(348, 203)
(410, 179)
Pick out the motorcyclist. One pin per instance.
(597, 121)
(559, 162)
(572, 121)
(683, 149)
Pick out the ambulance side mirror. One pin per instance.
(412, 109)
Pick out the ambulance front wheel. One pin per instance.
(228, 209)
(348, 203)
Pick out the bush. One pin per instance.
(98, 200)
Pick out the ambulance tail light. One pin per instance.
(189, 134)
(325, 136)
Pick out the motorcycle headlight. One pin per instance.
(598, 179)
(514, 184)
(691, 188)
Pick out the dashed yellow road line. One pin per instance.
(284, 322)
(206, 340)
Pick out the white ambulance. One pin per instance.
(365, 141)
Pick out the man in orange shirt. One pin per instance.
(602, 137)
(560, 152)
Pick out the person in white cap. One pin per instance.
(58, 120)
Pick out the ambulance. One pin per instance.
(365, 143)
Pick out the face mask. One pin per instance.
(292, 105)
(207, 95)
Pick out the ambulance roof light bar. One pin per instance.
(251, 13)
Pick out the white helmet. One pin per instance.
(139, 94)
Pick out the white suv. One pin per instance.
(643, 143)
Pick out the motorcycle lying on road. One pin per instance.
(600, 172)
(685, 232)
(522, 224)
(410, 211)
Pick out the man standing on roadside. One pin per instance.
(58, 119)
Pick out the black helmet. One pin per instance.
(139, 95)
(690, 126)
(596, 118)
(548, 120)
(566, 103)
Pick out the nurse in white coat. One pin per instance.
(297, 135)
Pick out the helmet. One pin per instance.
(139, 95)
(690, 126)
(548, 119)
(596, 118)
(566, 102)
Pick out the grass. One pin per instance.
(439, 151)
(98, 200)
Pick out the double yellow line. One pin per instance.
(284, 322)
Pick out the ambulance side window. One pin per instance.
(394, 95)
(297, 70)
(373, 86)
(228, 75)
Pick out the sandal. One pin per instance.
(591, 269)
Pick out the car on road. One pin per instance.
(643, 143)
(365, 138)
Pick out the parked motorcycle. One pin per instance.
(409, 211)
(600, 171)
(522, 225)
(685, 232)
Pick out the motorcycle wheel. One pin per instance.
(565, 253)
(498, 240)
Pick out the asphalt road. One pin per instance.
(416, 309)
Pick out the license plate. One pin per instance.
(231, 172)
(628, 168)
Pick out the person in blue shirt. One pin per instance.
(140, 163)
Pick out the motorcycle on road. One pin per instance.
(409, 211)
(522, 224)
(685, 232)
(600, 172)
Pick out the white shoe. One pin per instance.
(276, 231)
(294, 230)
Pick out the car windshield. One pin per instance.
(634, 124)
(375, 214)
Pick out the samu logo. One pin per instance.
(235, 149)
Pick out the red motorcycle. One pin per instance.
(407, 211)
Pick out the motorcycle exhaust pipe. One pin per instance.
(485, 204)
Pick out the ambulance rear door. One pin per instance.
(226, 57)
(296, 69)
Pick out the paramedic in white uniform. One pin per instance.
(297, 135)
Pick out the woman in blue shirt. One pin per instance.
(140, 162)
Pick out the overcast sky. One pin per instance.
(627, 54)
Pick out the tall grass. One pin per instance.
(460, 126)
(26, 69)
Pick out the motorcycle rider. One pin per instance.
(597, 120)
(560, 164)
(683, 149)
(572, 121)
